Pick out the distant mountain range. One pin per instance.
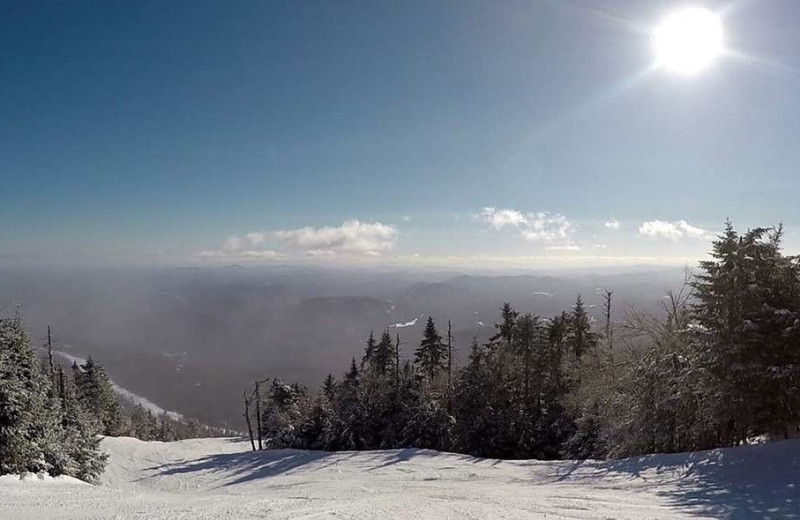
(191, 339)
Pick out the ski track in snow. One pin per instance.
(221, 478)
(137, 399)
(406, 324)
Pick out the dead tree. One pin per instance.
(258, 413)
(609, 330)
(397, 365)
(449, 366)
(50, 356)
(247, 418)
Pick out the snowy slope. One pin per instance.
(124, 392)
(221, 478)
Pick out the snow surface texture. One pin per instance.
(222, 478)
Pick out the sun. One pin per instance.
(688, 40)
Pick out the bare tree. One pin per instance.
(247, 418)
(609, 330)
(397, 364)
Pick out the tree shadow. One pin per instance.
(245, 466)
(749, 482)
(255, 465)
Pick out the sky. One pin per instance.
(453, 132)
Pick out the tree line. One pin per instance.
(52, 418)
(717, 366)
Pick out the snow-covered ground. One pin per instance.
(222, 478)
(124, 392)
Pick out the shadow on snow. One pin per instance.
(742, 483)
(737, 483)
(255, 465)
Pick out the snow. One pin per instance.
(482, 324)
(408, 323)
(542, 293)
(38, 478)
(221, 478)
(124, 392)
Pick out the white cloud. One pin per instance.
(547, 226)
(599, 246)
(406, 218)
(236, 243)
(569, 247)
(260, 254)
(672, 230)
(500, 218)
(537, 226)
(612, 224)
(351, 237)
(234, 255)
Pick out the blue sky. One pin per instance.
(393, 132)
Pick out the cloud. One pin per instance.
(235, 243)
(539, 226)
(612, 224)
(406, 218)
(352, 237)
(569, 247)
(501, 218)
(233, 255)
(599, 246)
(547, 226)
(672, 230)
(260, 254)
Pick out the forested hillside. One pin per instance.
(720, 365)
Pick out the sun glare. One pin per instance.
(688, 40)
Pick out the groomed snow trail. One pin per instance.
(222, 478)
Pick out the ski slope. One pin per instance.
(222, 478)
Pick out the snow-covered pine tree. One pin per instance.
(329, 388)
(79, 434)
(349, 408)
(42, 426)
(98, 397)
(581, 338)
(476, 425)
(383, 359)
(431, 356)
(23, 402)
(748, 309)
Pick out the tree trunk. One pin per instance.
(258, 413)
(247, 418)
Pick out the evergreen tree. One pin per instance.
(369, 350)
(505, 329)
(476, 422)
(98, 397)
(383, 360)
(581, 338)
(430, 356)
(349, 406)
(748, 311)
(23, 402)
(329, 388)
(80, 436)
(42, 425)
